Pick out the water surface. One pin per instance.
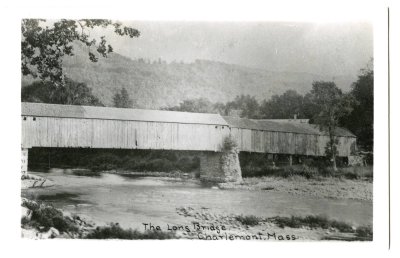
(132, 201)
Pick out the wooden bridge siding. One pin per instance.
(288, 143)
(97, 133)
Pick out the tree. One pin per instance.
(283, 106)
(361, 120)
(332, 105)
(247, 104)
(73, 93)
(122, 99)
(200, 105)
(44, 45)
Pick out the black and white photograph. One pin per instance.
(200, 130)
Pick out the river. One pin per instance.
(132, 201)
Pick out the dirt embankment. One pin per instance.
(336, 188)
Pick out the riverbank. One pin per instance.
(207, 225)
(323, 187)
(34, 181)
(41, 221)
(68, 209)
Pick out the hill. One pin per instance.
(158, 84)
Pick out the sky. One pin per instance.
(318, 48)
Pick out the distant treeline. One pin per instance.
(290, 104)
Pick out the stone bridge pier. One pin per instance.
(24, 161)
(220, 167)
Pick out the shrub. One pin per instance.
(184, 164)
(304, 171)
(342, 226)
(159, 165)
(114, 231)
(188, 164)
(130, 163)
(250, 220)
(229, 144)
(365, 232)
(44, 217)
(104, 162)
(312, 222)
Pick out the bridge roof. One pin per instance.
(109, 113)
(282, 126)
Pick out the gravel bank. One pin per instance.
(323, 187)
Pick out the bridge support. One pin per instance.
(24, 161)
(220, 167)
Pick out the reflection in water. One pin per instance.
(132, 201)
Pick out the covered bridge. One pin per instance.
(67, 126)
(295, 137)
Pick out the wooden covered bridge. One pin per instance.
(66, 126)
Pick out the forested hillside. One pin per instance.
(156, 84)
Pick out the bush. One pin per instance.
(114, 231)
(304, 171)
(104, 162)
(44, 217)
(159, 165)
(312, 222)
(188, 164)
(130, 163)
(229, 144)
(250, 220)
(365, 232)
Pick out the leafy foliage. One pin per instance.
(44, 217)
(312, 222)
(249, 220)
(365, 232)
(361, 119)
(200, 105)
(332, 105)
(103, 160)
(73, 93)
(283, 106)
(43, 46)
(122, 99)
(248, 105)
(229, 144)
(114, 231)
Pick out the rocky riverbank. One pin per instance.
(41, 221)
(324, 187)
(34, 181)
(207, 225)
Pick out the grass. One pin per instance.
(114, 231)
(312, 222)
(364, 233)
(352, 173)
(249, 220)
